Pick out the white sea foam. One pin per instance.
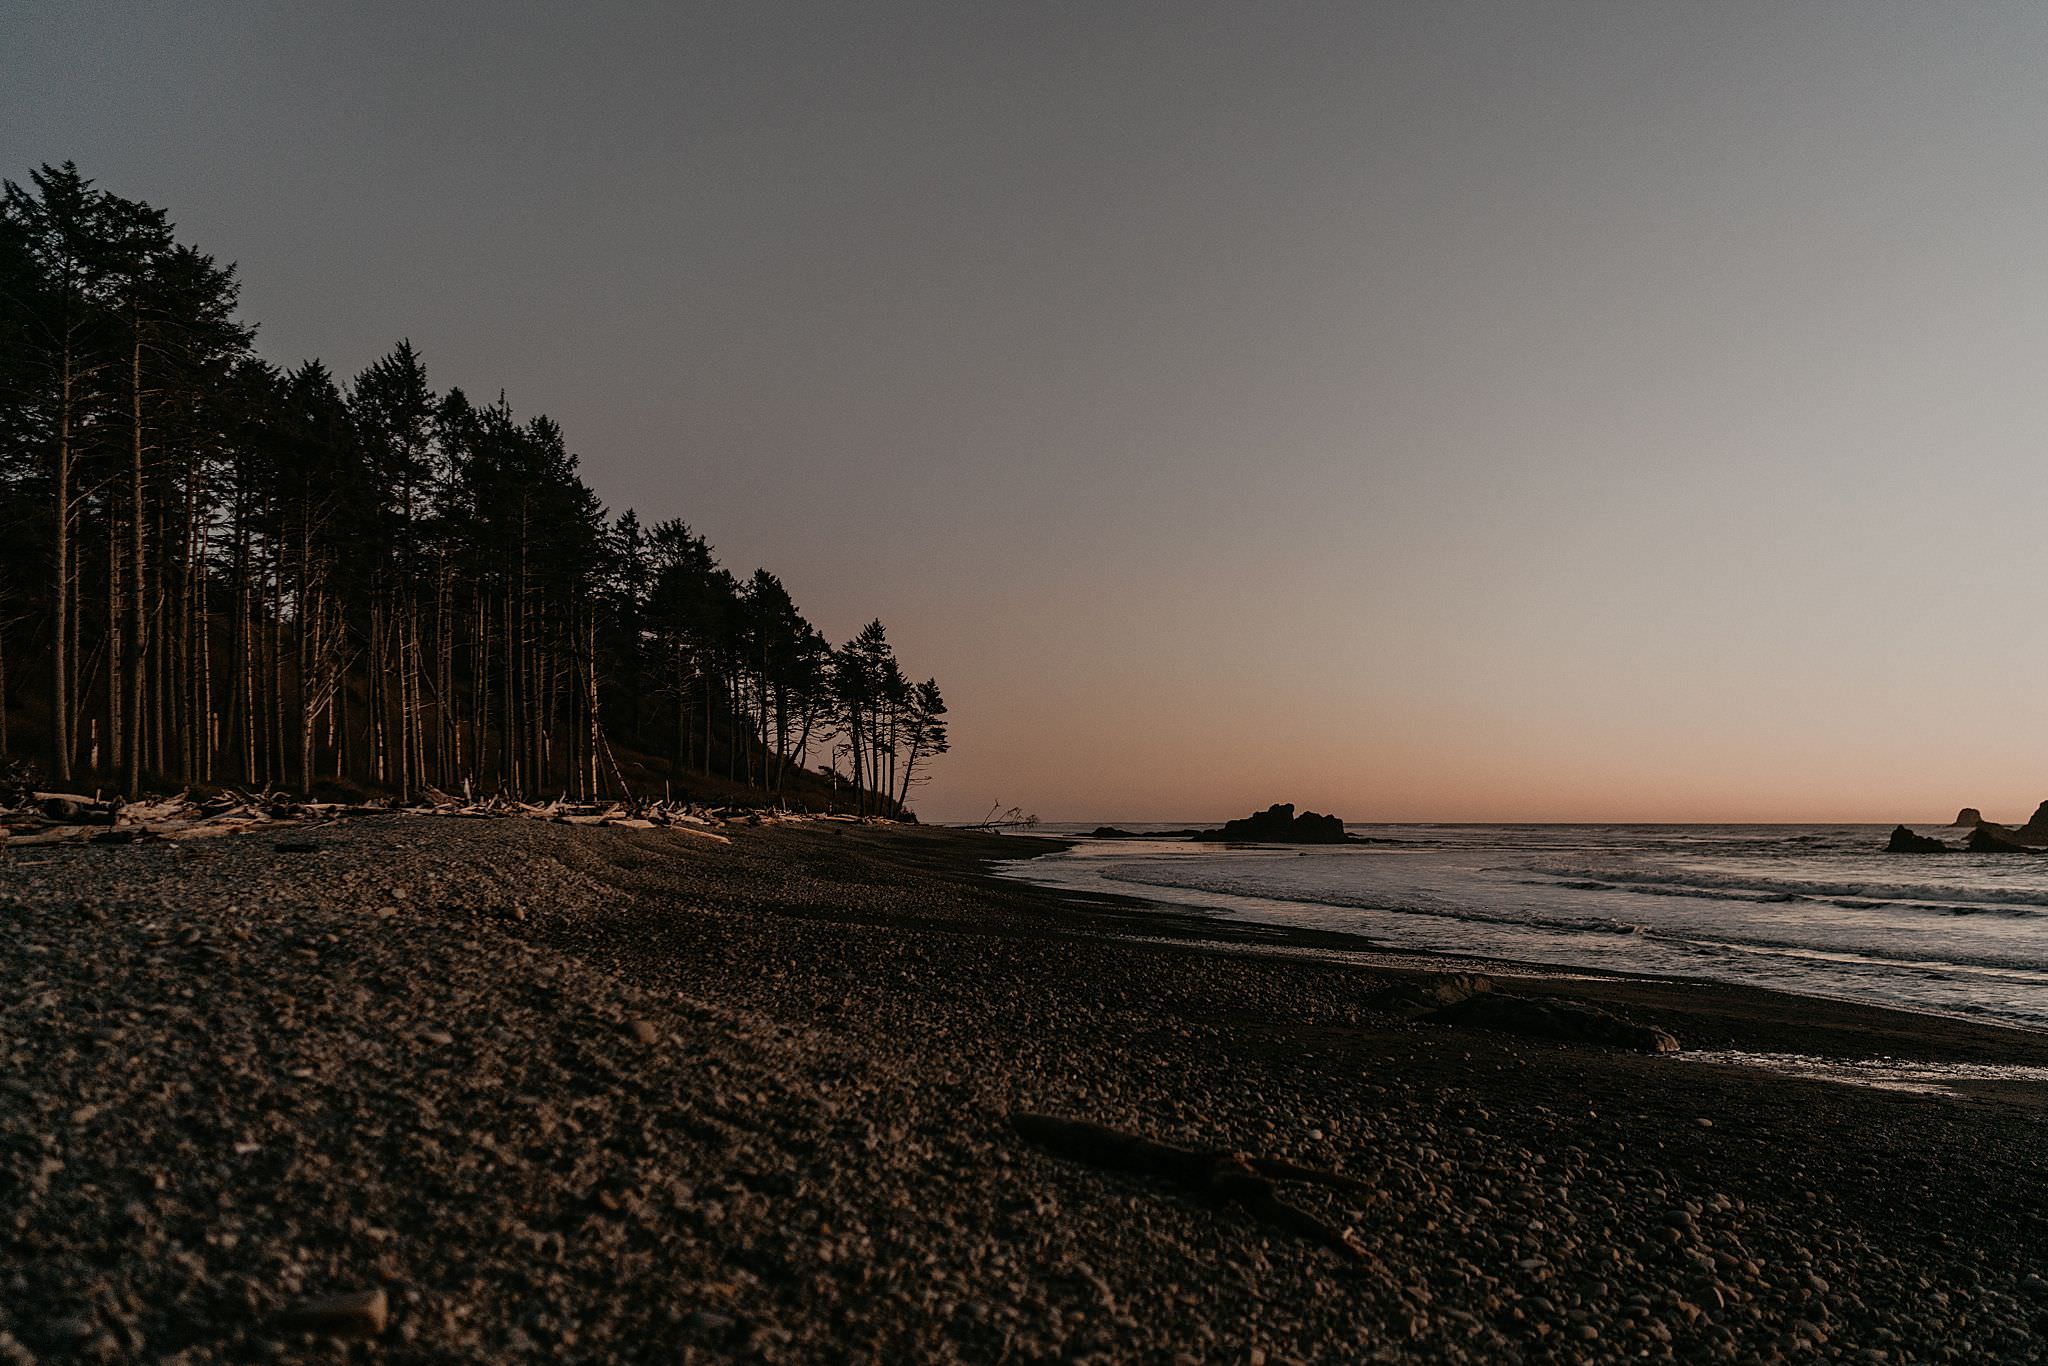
(1819, 909)
(1883, 1074)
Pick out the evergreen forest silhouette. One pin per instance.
(217, 572)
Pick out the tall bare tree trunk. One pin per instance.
(153, 656)
(408, 698)
(509, 687)
(62, 667)
(273, 749)
(241, 688)
(209, 738)
(596, 730)
(130, 741)
(342, 753)
(117, 650)
(379, 666)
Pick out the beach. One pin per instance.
(568, 1093)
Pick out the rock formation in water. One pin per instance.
(1996, 839)
(1278, 824)
(1904, 841)
(1117, 832)
(1986, 837)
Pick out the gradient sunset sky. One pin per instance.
(1418, 411)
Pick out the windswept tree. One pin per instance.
(924, 735)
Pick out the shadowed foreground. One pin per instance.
(600, 1094)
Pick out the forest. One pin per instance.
(217, 572)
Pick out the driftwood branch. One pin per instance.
(998, 819)
(1211, 1175)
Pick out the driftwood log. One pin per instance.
(1212, 1175)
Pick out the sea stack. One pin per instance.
(1993, 839)
(1969, 818)
(1904, 841)
(1278, 824)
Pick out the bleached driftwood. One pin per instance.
(61, 817)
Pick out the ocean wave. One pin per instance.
(2018, 902)
(1228, 888)
(1960, 935)
(1707, 940)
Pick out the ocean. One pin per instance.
(1815, 909)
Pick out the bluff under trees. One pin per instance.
(216, 571)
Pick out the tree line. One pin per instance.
(217, 571)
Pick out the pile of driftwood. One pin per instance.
(62, 817)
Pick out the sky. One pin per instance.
(1508, 411)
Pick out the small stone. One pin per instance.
(1704, 1123)
(439, 1036)
(643, 1031)
(361, 1313)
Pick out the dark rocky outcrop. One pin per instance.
(1565, 1021)
(1996, 839)
(1116, 832)
(1986, 837)
(1278, 824)
(1904, 841)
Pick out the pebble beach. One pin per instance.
(408, 1089)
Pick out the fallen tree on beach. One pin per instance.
(997, 819)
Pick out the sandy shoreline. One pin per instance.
(620, 1095)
